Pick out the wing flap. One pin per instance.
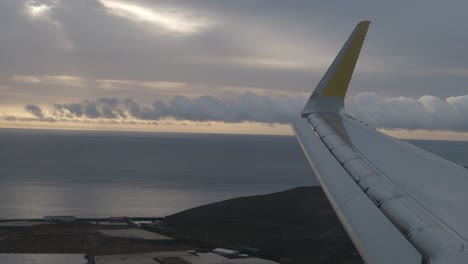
(379, 242)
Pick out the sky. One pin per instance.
(217, 66)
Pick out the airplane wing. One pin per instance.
(398, 203)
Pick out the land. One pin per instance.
(294, 226)
(76, 237)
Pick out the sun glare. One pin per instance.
(170, 20)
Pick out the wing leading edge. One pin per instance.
(398, 203)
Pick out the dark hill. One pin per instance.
(298, 224)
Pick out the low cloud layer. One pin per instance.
(427, 112)
(34, 110)
(248, 107)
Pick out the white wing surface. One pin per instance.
(398, 203)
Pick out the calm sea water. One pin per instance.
(149, 174)
(139, 174)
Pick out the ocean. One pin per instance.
(99, 174)
(139, 174)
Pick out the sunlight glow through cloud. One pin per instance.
(64, 80)
(37, 9)
(43, 10)
(168, 19)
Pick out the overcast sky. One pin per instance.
(121, 64)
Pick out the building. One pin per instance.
(226, 252)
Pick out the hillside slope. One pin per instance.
(298, 224)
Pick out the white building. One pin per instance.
(226, 252)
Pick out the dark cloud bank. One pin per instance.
(426, 112)
(247, 107)
(35, 110)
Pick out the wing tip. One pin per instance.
(335, 82)
(364, 22)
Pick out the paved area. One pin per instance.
(136, 234)
(178, 257)
(142, 258)
(43, 259)
(22, 223)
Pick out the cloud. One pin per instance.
(35, 110)
(44, 10)
(121, 85)
(101, 108)
(248, 107)
(261, 62)
(277, 46)
(38, 9)
(68, 110)
(173, 20)
(65, 80)
(26, 79)
(426, 112)
(10, 118)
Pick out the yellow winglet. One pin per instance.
(336, 80)
(329, 94)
